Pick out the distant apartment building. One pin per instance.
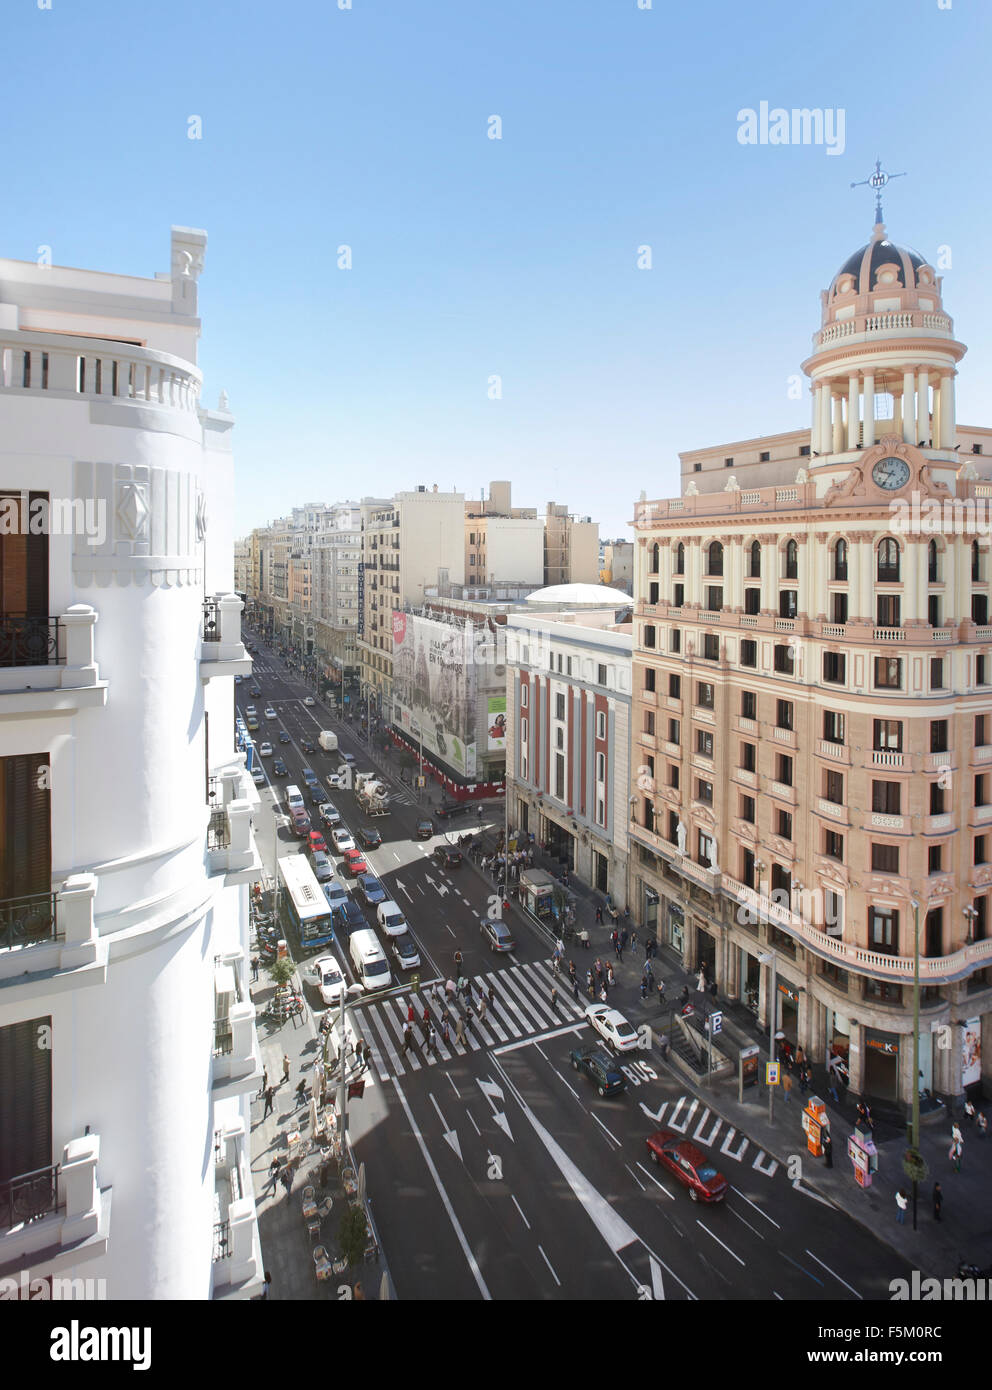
(571, 547)
(617, 565)
(812, 723)
(503, 544)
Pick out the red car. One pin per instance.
(689, 1164)
(316, 842)
(301, 824)
(354, 862)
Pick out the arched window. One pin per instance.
(714, 558)
(840, 560)
(933, 563)
(655, 557)
(792, 560)
(755, 572)
(888, 561)
(680, 558)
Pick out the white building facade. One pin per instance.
(128, 1052)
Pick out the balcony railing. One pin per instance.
(68, 366)
(211, 620)
(29, 1196)
(28, 641)
(222, 1241)
(223, 1037)
(28, 921)
(219, 829)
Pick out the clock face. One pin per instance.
(891, 473)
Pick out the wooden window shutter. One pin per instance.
(25, 827)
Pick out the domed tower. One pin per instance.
(885, 358)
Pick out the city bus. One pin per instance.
(305, 904)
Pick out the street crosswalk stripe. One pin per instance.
(566, 1003)
(541, 993)
(768, 1168)
(742, 1147)
(679, 1125)
(711, 1139)
(523, 1009)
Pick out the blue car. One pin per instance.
(350, 916)
(371, 889)
(283, 736)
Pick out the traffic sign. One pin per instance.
(716, 1022)
(771, 1073)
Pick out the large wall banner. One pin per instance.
(434, 689)
(496, 722)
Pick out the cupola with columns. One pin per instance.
(884, 332)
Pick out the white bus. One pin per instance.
(305, 903)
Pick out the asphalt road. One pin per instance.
(495, 1170)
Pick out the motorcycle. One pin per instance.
(971, 1271)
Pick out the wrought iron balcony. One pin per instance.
(30, 641)
(211, 620)
(29, 1196)
(28, 921)
(222, 1241)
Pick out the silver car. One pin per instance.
(322, 866)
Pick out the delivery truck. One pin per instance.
(328, 741)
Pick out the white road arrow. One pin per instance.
(490, 1090)
(402, 889)
(492, 1093)
(450, 1136)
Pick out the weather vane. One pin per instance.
(878, 181)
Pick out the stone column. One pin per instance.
(825, 437)
(923, 405)
(838, 424)
(852, 411)
(908, 411)
(947, 422)
(865, 586)
(868, 396)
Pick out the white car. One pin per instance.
(309, 700)
(270, 713)
(339, 779)
(329, 979)
(341, 839)
(251, 712)
(266, 750)
(328, 814)
(258, 776)
(612, 1026)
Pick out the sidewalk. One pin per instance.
(287, 1248)
(965, 1228)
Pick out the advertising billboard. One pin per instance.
(496, 722)
(434, 689)
(971, 1052)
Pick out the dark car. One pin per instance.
(689, 1164)
(350, 917)
(455, 808)
(317, 795)
(256, 694)
(368, 838)
(279, 768)
(309, 776)
(371, 889)
(307, 745)
(425, 829)
(601, 1070)
(447, 857)
(283, 736)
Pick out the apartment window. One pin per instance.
(714, 598)
(747, 809)
(471, 560)
(600, 767)
(754, 560)
(560, 776)
(704, 791)
(885, 859)
(788, 603)
(883, 929)
(600, 811)
(834, 667)
(559, 707)
(674, 730)
(525, 695)
(752, 601)
(764, 457)
(938, 736)
(673, 826)
(981, 790)
(714, 558)
(568, 666)
(980, 739)
(784, 714)
(976, 448)
(25, 1099)
(749, 704)
(933, 610)
(674, 685)
(887, 610)
(559, 663)
(888, 673)
(833, 845)
(649, 721)
(654, 558)
(936, 799)
(804, 451)
(749, 761)
(678, 595)
(711, 647)
(600, 723)
(707, 850)
(934, 858)
(980, 670)
(933, 563)
(977, 568)
(785, 663)
(600, 675)
(838, 608)
(705, 694)
(980, 609)
(833, 726)
(24, 584)
(791, 560)
(980, 852)
(887, 735)
(675, 639)
(749, 652)
(728, 463)
(673, 775)
(887, 571)
(650, 636)
(25, 829)
(784, 824)
(680, 558)
(523, 731)
(649, 678)
(886, 797)
(783, 769)
(840, 561)
(833, 786)
(704, 743)
(697, 468)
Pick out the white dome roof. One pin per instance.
(590, 595)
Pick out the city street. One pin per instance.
(495, 1170)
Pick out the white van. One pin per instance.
(369, 962)
(390, 918)
(294, 800)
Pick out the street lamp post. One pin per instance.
(914, 1138)
(342, 1087)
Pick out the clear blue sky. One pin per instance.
(514, 257)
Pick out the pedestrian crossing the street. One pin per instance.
(522, 1008)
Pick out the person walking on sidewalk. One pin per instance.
(575, 988)
(786, 1086)
(599, 916)
(938, 1201)
(270, 1092)
(407, 1037)
(445, 1030)
(285, 1066)
(832, 1066)
(902, 1203)
(956, 1138)
(554, 998)
(460, 1031)
(661, 994)
(274, 1167)
(254, 968)
(828, 1148)
(482, 1006)
(956, 1149)
(610, 976)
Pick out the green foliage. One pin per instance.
(281, 971)
(353, 1236)
(914, 1165)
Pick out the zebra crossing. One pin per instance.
(522, 1009)
(683, 1114)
